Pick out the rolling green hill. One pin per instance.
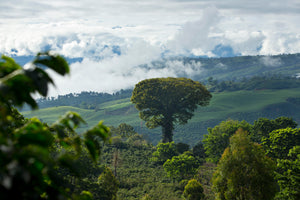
(239, 105)
(244, 88)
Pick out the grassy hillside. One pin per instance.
(239, 105)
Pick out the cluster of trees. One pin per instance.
(85, 99)
(265, 153)
(244, 171)
(242, 161)
(217, 139)
(252, 161)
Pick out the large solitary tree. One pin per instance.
(167, 101)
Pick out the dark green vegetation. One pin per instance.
(173, 170)
(193, 190)
(217, 139)
(51, 161)
(39, 160)
(166, 102)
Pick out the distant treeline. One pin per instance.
(91, 100)
(274, 82)
(86, 100)
(236, 68)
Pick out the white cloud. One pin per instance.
(269, 61)
(179, 68)
(248, 44)
(80, 28)
(148, 28)
(197, 34)
(112, 73)
(121, 72)
(280, 43)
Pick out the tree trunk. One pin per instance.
(167, 131)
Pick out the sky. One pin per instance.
(114, 38)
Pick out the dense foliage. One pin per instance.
(283, 145)
(263, 126)
(34, 154)
(287, 174)
(164, 151)
(281, 141)
(167, 101)
(182, 166)
(217, 139)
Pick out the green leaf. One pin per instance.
(70, 121)
(16, 88)
(76, 143)
(8, 66)
(93, 137)
(17, 84)
(52, 61)
(101, 131)
(90, 144)
(40, 79)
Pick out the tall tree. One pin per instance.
(244, 171)
(167, 101)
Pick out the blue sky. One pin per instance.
(114, 37)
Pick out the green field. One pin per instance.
(239, 105)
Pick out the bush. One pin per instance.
(193, 190)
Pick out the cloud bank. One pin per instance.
(270, 61)
(121, 71)
(116, 38)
